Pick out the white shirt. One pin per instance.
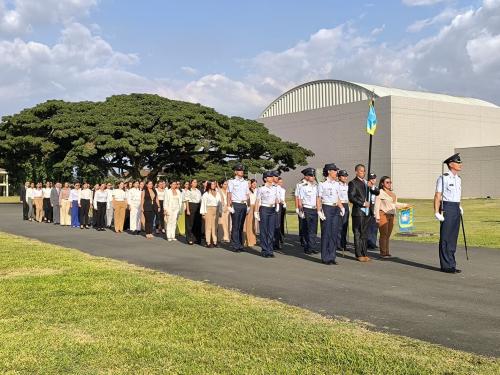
(110, 193)
(282, 193)
(29, 193)
(308, 193)
(160, 194)
(299, 186)
(173, 202)
(268, 195)
(85, 194)
(134, 197)
(329, 191)
(101, 196)
(119, 195)
(46, 192)
(343, 192)
(252, 196)
(238, 187)
(37, 193)
(209, 200)
(74, 195)
(192, 196)
(452, 187)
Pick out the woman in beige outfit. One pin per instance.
(225, 218)
(386, 204)
(250, 228)
(211, 208)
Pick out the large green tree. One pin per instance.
(127, 134)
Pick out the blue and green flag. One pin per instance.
(371, 121)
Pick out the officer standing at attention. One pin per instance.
(344, 199)
(308, 209)
(448, 211)
(330, 211)
(266, 205)
(300, 214)
(238, 194)
(279, 210)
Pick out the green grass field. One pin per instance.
(63, 311)
(12, 199)
(481, 218)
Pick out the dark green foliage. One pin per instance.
(125, 134)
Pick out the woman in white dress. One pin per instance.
(172, 206)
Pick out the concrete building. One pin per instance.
(4, 183)
(415, 132)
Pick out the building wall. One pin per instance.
(425, 132)
(337, 134)
(480, 177)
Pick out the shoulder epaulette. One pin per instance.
(445, 174)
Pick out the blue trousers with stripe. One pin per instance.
(448, 235)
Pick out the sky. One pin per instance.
(238, 56)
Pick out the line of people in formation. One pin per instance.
(235, 210)
(138, 206)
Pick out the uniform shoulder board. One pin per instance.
(445, 174)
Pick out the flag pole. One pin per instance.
(370, 153)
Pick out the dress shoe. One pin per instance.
(315, 251)
(457, 270)
(448, 270)
(308, 252)
(334, 263)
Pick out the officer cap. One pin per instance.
(309, 172)
(330, 167)
(238, 167)
(266, 174)
(275, 173)
(342, 173)
(372, 176)
(453, 159)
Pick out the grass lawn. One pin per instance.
(13, 199)
(481, 218)
(62, 311)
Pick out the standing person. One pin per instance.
(65, 205)
(344, 199)
(101, 203)
(357, 192)
(237, 201)
(150, 205)
(449, 212)
(372, 226)
(300, 214)
(85, 202)
(192, 199)
(22, 199)
(29, 200)
(173, 206)
(277, 222)
(119, 206)
(330, 211)
(110, 209)
(211, 208)
(160, 220)
(134, 203)
(38, 201)
(250, 229)
(94, 210)
(385, 207)
(266, 204)
(55, 200)
(224, 220)
(74, 196)
(47, 207)
(308, 209)
(282, 216)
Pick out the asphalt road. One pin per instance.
(405, 295)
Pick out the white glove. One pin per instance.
(256, 215)
(231, 209)
(342, 211)
(321, 216)
(277, 209)
(284, 205)
(461, 210)
(248, 209)
(302, 215)
(439, 216)
(297, 211)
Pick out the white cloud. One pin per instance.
(445, 16)
(189, 70)
(414, 3)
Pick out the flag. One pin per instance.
(371, 121)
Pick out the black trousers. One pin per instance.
(160, 217)
(47, 209)
(84, 212)
(329, 232)
(267, 229)
(344, 225)
(193, 223)
(448, 235)
(149, 217)
(360, 231)
(26, 209)
(310, 228)
(100, 215)
(238, 221)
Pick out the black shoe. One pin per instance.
(270, 256)
(308, 252)
(457, 270)
(316, 251)
(333, 263)
(448, 270)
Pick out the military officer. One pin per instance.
(448, 211)
(344, 199)
(279, 210)
(238, 201)
(266, 205)
(307, 205)
(300, 214)
(330, 211)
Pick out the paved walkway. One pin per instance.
(405, 295)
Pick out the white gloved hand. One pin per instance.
(321, 216)
(284, 205)
(256, 215)
(461, 210)
(297, 211)
(231, 209)
(342, 211)
(302, 215)
(248, 209)
(439, 216)
(277, 208)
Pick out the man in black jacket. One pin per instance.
(357, 192)
(22, 199)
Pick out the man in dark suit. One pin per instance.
(54, 202)
(22, 199)
(357, 192)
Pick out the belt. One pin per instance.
(240, 202)
(268, 205)
(345, 202)
(310, 207)
(329, 204)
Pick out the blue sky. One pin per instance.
(237, 56)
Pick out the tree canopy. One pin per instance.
(126, 134)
